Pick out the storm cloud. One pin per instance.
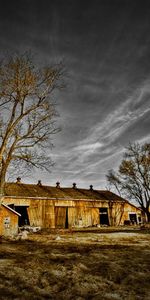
(105, 46)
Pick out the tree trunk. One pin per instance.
(148, 215)
(2, 182)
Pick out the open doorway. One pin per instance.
(66, 220)
(133, 218)
(103, 212)
(23, 219)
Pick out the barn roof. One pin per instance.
(43, 191)
(10, 209)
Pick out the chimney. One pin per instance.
(18, 179)
(58, 184)
(91, 187)
(39, 183)
(74, 185)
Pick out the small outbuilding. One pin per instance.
(8, 220)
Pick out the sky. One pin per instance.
(105, 47)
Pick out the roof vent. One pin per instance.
(74, 185)
(18, 179)
(91, 187)
(39, 183)
(58, 184)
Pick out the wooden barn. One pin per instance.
(8, 220)
(58, 207)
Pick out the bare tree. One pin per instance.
(133, 176)
(27, 115)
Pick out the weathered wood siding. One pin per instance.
(61, 217)
(116, 213)
(51, 213)
(129, 209)
(8, 222)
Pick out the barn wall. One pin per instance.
(120, 213)
(130, 209)
(40, 211)
(16, 201)
(8, 222)
(116, 213)
(51, 213)
(80, 216)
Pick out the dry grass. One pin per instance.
(76, 266)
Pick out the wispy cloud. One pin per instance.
(107, 100)
(101, 149)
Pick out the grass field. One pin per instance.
(100, 264)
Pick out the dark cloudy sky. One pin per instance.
(105, 45)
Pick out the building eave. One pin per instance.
(12, 210)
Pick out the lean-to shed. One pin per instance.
(8, 220)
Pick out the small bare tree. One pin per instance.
(133, 176)
(27, 115)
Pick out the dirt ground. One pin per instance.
(99, 265)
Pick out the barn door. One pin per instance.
(61, 217)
